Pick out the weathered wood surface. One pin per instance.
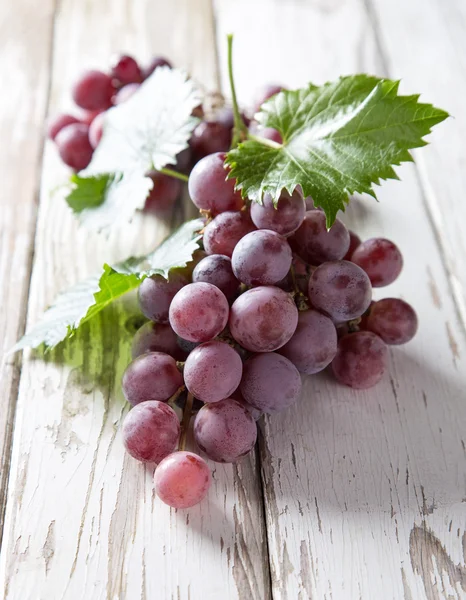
(364, 493)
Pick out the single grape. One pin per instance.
(157, 61)
(155, 337)
(58, 123)
(199, 312)
(393, 320)
(213, 371)
(261, 258)
(93, 91)
(341, 289)
(225, 430)
(210, 137)
(315, 244)
(223, 233)
(270, 382)
(126, 70)
(380, 259)
(164, 193)
(264, 93)
(96, 129)
(182, 479)
(263, 319)
(151, 431)
(285, 219)
(216, 269)
(125, 93)
(151, 376)
(74, 147)
(156, 293)
(314, 343)
(360, 360)
(355, 241)
(255, 413)
(209, 188)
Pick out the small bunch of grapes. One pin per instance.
(271, 295)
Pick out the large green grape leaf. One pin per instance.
(338, 139)
(144, 133)
(86, 299)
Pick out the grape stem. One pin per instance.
(240, 131)
(172, 173)
(178, 392)
(187, 411)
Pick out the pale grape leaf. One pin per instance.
(338, 139)
(86, 299)
(142, 134)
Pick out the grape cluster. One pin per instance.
(271, 295)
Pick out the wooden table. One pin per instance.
(350, 495)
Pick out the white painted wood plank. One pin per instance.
(364, 491)
(82, 521)
(25, 34)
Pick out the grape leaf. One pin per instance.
(338, 139)
(86, 299)
(144, 133)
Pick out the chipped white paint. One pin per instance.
(364, 492)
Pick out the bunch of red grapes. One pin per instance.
(272, 294)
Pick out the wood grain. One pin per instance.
(25, 48)
(364, 491)
(82, 520)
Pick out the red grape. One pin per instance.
(261, 258)
(151, 431)
(96, 129)
(199, 312)
(58, 123)
(210, 137)
(361, 360)
(380, 259)
(164, 193)
(285, 219)
(225, 430)
(126, 92)
(355, 241)
(93, 91)
(223, 233)
(157, 61)
(393, 320)
(341, 289)
(182, 479)
(208, 187)
(314, 343)
(213, 371)
(263, 319)
(264, 93)
(156, 293)
(74, 147)
(151, 376)
(126, 70)
(315, 244)
(155, 337)
(270, 382)
(216, 269)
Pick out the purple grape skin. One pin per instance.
(314, 244)
(285, 219)
(199, 312)
(225, 430)
(255, 413)
(341, 289)
(155, 63)
(314, 343)
(380, 259)
(155, 337)
(93, 91)
(361, 360)
(216, 269)
(263, 319)
(209, 187)
(223, 233)
(261, 257)
(270, 382)
(58, 123)
(74, 147)
(155, 295)
(355, 241)
(210, 137)
(151, 376)
(151, 431)
(126, 70)
(182, 479)
(212, 371)
(164, 193)
(393, 320)
(264, 93)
